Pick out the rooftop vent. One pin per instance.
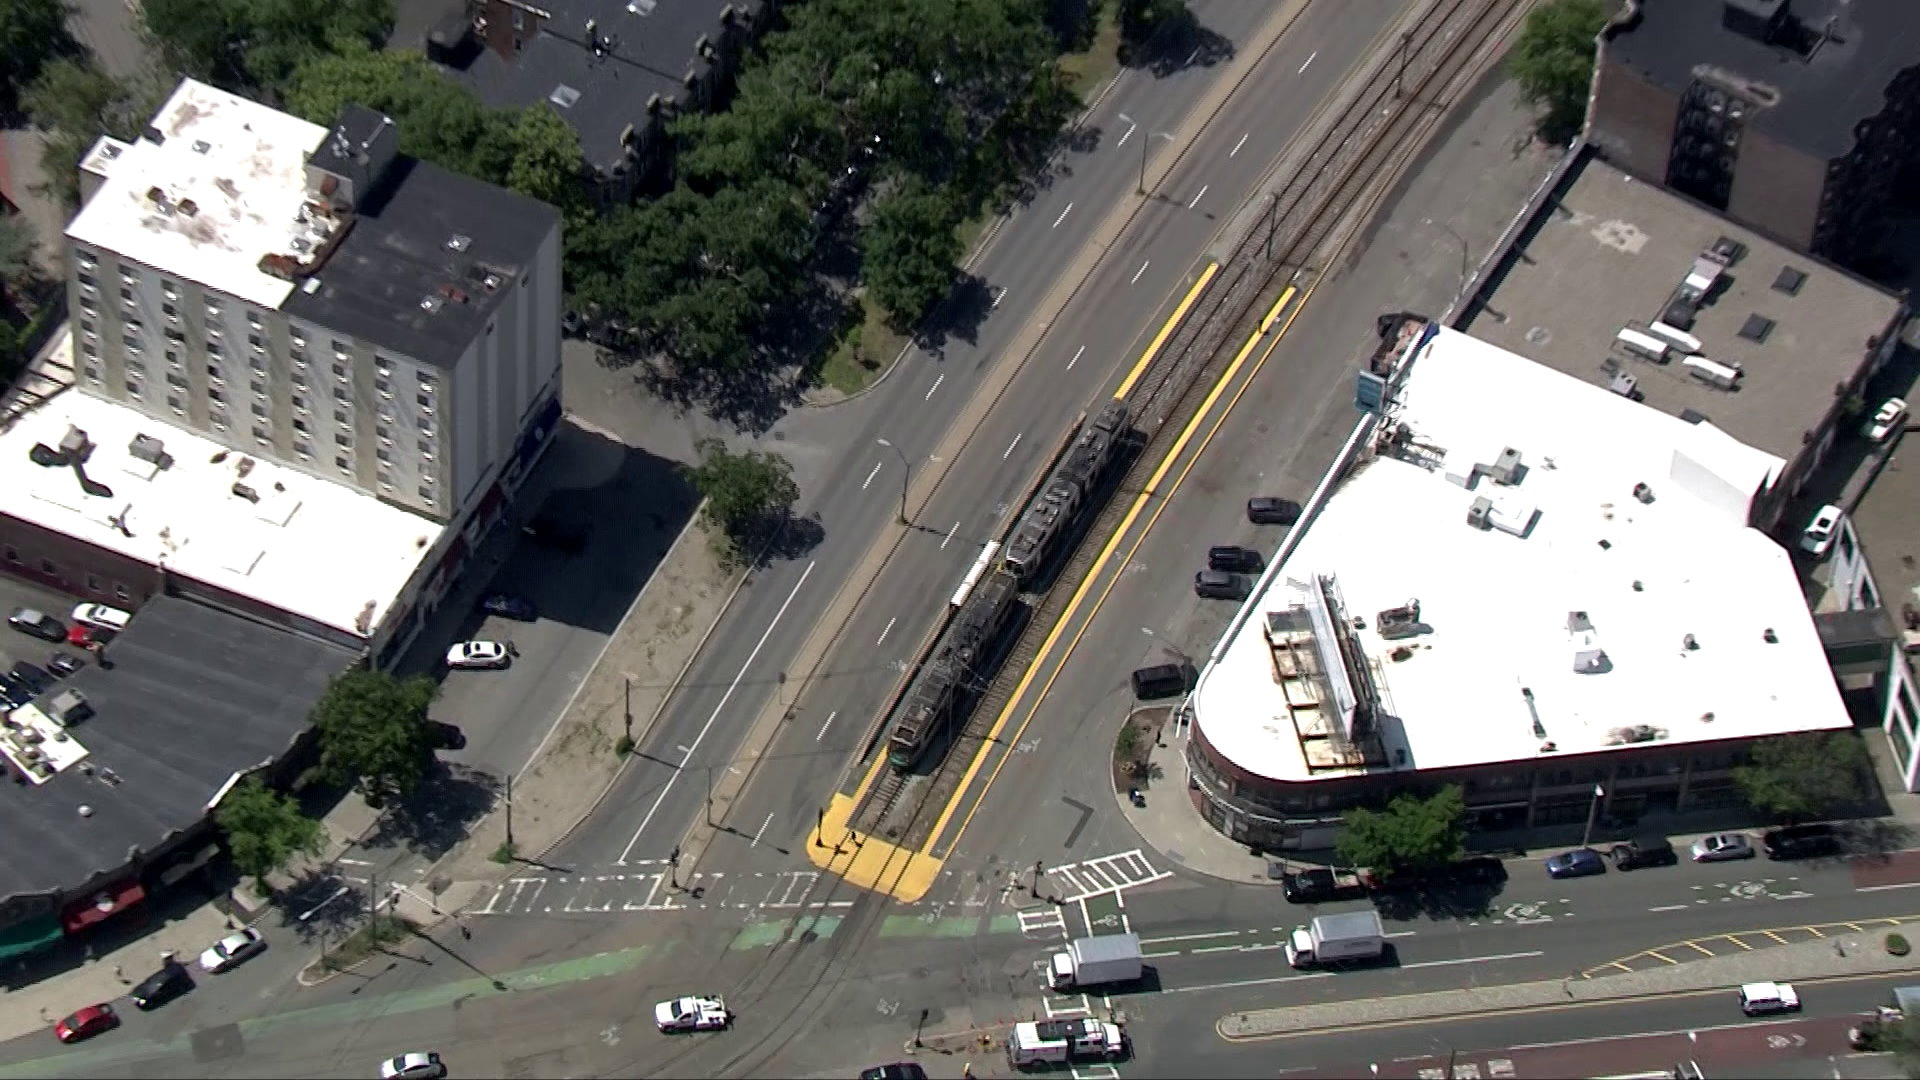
(1693, 416)
(431, 303)
(150, 450)
(153, 135)
(459, 242)
(68, 707)
(453, 293)
(310, 286)
(1789, 280)
(157, 195)
(75, 444)
(301, 245)
(1757, 328)
(201, 146)
(564, 96)
(189, 207)
(1680, 313)
(244, 492)
(1726, 251)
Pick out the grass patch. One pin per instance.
(1088, 70)
(863, 353)
(504, 854)
(364, 942)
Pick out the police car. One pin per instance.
(692, 1014)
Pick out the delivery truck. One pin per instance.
(1097, 961)
(1332, 939)
(1062, 1042)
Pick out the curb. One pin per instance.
(1179, 791)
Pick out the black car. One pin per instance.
(556, 535)
(508, 606)
(1321, 885)
(1218, 585)
(16, 690)
(445, 736)
(64, 664)
(1161, 680)
(1643, 851)
(1234, 559)
(905, 1070)
(37, 623)
(35, 677)
(1267, 510)
(1801, 842)
(162, 986)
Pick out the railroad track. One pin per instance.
(1351, 160)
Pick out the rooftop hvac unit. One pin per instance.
(150, 450)
(1480, 514)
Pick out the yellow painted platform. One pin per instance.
(867, 862)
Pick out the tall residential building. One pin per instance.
(313, 297)
(1795, 117)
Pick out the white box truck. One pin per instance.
(1330, 939)
(1097, 961)
(1061, 1042)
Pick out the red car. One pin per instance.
(87, 637)
(87, 1023)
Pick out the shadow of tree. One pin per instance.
(800, 536)
(1180, 43)
(437, 814)
(959, 317)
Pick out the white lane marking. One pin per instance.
(1669, 907)
(1010, 446)
(1189, 937)
(888, 630)
(1215, 948)
(1884, 888)
(825, 726)
(1063, 215)
(1401, 933)
(1473, 960)
(666, 788)
(999, 295)
(871, 475)
(1137, 273)
(1076, 357)
(758, 833)
(1124, 138)
(1197, 198)
(1748, 1026)
(1308, 64)
(949, 539)
(943, 375)
(1238, 145)
(1248, 982)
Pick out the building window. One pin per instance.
(259, 389)
(381, 366)
(92, 373)
(342, 395)
(343, 464)
(88, 262)
(259, 344)
(47, 567)
(426, 405)
(519, 19)
(299, 340)
(426, 382)
(385, 387)
(87, 325)
(1846, 542)
(126, 293)
(340, 349)
(172, 313)
(254, 365)
(384, 454)
(426, 495)
(93, 582)
(216, 395)
(213, 373)
(299, 403)
(175, 404)
(386, 480)
(304, 449)
(341, 372)
(299, 380)
(343, 439)
(260, 435)
(120, 593)
(385, 433)
(11, 554)
(340, 417)
(300, 424)
(176, 380)
(90, 349)
(259, 410)
(253, 319)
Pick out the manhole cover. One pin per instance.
(1539, 335)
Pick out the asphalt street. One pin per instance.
(741, 669)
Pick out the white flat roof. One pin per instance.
(1498, 604)
(307, 546)
(241, 165)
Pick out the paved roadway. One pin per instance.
(738, 673)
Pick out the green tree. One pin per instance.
(748, 493)
(1413, 833)
(1901, 1038)
(769, 133)
(1140, 19)
(373, 731)
(264, 829)
(1805, 776)
(17, 245)
(438, 120)
(75, 103)
(258, 44)
(545, 161)
(32, 34)
(911, 246)
(1552, 61)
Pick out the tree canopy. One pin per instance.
(911, 250)
(1413, 833)
(1552, 61)
(264, 829)
(1804, 777)
(33, 33)
(257, 44)
(747, 493)
(373, 731)
(76, 103)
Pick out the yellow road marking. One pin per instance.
(1737, 941)
(1618, 964)
(1166, 331)
(1775, 936)
(1814, 930)
(1133, 512)
(1658, 955)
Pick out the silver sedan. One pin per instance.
(1722, 847)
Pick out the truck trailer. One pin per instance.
(1331, 939)
(1097, 961)
(1061, 1042)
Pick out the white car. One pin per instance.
(421, 1065)
(1722, 847)
(232, 951)
(1759, 999)
(1818, 539)
(692, 1014)
(101, 617)
(1888, 421)
(479, 655)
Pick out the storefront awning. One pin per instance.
(101, 906)
(29, 935)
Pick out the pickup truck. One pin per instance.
(1322, 885)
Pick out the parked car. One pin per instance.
(419, 1065)
(445, 736)
(1321, 885)
(102, 617)
(1161, 680)
(162, 986)
(37, 678)
(1764, 998)
(1888, 420)
(1801, 842)
(692, 1014)
(900, 1070)
(1722, 847)
(232, 951)
(1267, 510)
(1642, 851)
(479, 655)
(1234, 559)
(87, 1023)
(64, 664)
(1217, 585)
(1580, 862)
(1817, 540)
(508, 606)
(37, 623)
(81, 636)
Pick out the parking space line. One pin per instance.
(1658, 955)
(1702, 949)
(1736, 940)
(1776, 937)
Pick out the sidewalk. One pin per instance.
(1854, 955)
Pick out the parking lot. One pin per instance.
(16, 646)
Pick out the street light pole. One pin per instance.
(1146, 137)
(709, 796)
(1593, 814)
(905, 475)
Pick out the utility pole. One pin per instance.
(1593, 812)
(509, 812)
(1400, 75)
(709, 796)
(819, 827)
(906, 472)
(1039, 868)
(629, 706)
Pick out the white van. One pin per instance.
(1677, 337)
(1641, 344)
